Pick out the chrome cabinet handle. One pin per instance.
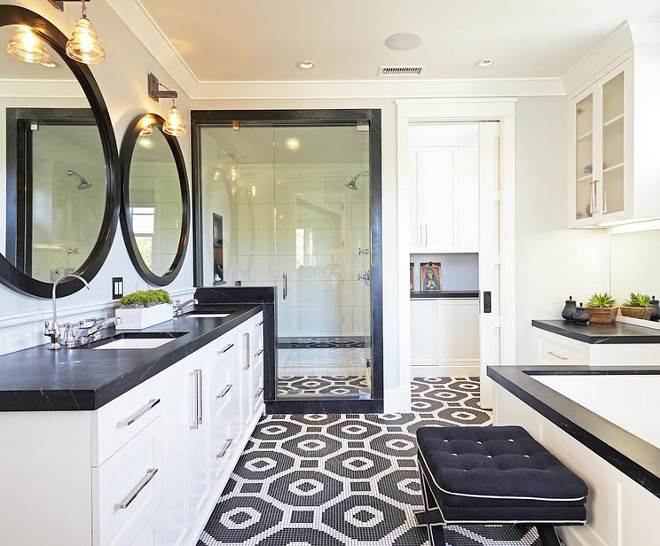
(200, 405)
(226, 349)
(285, 286)
(225, 448)
(139, 413)
(426, 235)
(195, 423)
(151, 472)
(258, 353)
(224, 392)
(419, 235)
(261, 390)
(551, 353)
(246, 353)
(261, 323)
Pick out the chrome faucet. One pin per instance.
(92, 332)
(177, 311)
(52, 329)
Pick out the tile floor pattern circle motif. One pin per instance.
(346, 480)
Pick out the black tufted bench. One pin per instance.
(495, 475)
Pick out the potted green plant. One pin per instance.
(638, 306)
(144, 308)
(601, 309)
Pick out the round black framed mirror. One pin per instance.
(155, 204)
(62, 195)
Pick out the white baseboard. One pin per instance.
(444, 370)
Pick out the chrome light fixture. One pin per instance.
(84, 45)
(26, 46)
(174, 124)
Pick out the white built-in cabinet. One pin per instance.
(444, 199)
(614, 169)
(444, 337)
(146, 468)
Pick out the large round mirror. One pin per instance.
(61, 163)
(155, 214)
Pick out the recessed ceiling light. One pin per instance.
(50, 64)
(306, 65)
(403, 41)
(292, 143)
(485, 63)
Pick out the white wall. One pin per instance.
(552, 262)
(122, 79)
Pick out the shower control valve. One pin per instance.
(363, 251)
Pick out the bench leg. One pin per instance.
(547, 535)
(431, 516)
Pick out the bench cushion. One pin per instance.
(472, 468)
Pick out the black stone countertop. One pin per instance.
(636, 458)
(440, 294)
(618, 332)
(37, 379)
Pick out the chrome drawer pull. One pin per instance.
(259, 353)
(200, 405)
(557, 356)
(224, 393)
(139, 413)
(261, 323)
(224, 449)
(226, 349)
(261, 390)
(246, 353)
(151, 472)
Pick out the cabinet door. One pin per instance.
(437, 169)
(458, 334)
(613, 122)
(423, 333)
(467, 217)
(585, 147)
(415, 227)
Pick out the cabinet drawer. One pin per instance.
(128, 488)
(224, 349)
(222, 446)
(116, 423)
(258, 333)
(553, 349)
(223, 390)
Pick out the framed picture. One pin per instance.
(430, 276)
(218, 259)
(412, 277)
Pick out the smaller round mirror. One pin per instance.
(155, 200)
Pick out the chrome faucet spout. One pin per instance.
(53, 328)
(179, 307)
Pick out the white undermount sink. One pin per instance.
(206, 315)
(135, 343)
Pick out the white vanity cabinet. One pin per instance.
(614, 167)
(551, 348)
(145, 469)
(444, 337)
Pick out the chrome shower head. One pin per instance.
(84, 185)
(352, 184)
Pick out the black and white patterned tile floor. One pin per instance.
(348, 386)
(333, 480)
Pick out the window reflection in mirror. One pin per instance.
(55, 180)
(155, 200)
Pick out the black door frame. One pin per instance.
(315, 117)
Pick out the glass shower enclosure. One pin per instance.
(293, 203)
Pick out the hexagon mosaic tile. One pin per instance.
(333, 480)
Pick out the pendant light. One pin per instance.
(84, 45)
(27, 46)
(174, 124)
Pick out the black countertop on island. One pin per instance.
(618, 332)
(441, 294)
(38, 379)
(636, 458)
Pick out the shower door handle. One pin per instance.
(285, 286)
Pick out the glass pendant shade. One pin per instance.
(28, 47)
(174, 122)
(84, 45)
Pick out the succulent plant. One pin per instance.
(603, 300)
(638, 300)
(144, 298)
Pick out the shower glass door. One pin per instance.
(290, 206)
(322, 239)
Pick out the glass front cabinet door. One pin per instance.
(600, 124)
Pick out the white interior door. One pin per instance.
(489, 254)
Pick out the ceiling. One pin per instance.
(262, 40)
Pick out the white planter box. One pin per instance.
(138, 319)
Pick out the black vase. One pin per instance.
(569, 309)
(655, 316)
(581, 315)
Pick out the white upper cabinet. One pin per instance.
(614, 173)
(444, 204)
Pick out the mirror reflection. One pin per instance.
(155, 200)
(634, 263)
(55, 180)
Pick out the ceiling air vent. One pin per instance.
(401, 70)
